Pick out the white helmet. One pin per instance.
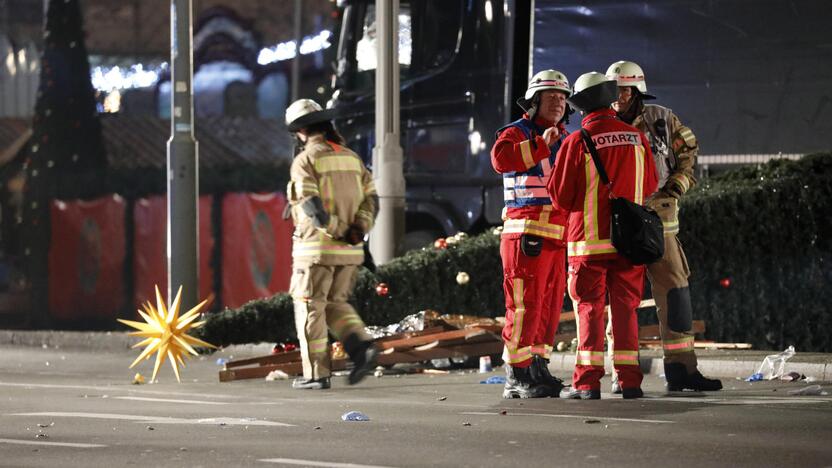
(298, 109)
(628, 73)
(593, 91)
(547, 79)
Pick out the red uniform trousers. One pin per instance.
(534, 288)
(589, 282)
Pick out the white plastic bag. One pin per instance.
(774, 365)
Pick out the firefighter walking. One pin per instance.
(674, 149)
(531, 246)
(595, 267)
(333, 205)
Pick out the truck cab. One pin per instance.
(458, 71)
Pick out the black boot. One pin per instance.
(311, 384)
(519, 384)
(540, 374)
(363, 355)
(678, 379)
(632, 393)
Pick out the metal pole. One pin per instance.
(296, 60)
(387, 154)
(183, 162)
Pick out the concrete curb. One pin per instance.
(736, 364)
(76, 340)
(736, 368)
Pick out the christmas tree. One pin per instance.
(66, 148)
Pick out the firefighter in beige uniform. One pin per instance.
(674, 149)
(333, 205)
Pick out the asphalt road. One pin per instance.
(75, 408)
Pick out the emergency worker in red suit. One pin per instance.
(532, 248)
(596, 270)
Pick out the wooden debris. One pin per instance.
(433, 343)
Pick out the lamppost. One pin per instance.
(182, 161)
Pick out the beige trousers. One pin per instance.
(320, 294)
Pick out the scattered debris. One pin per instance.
(151, 428)
(221, 361)
(591, 421)
(138, 379)
(378, 373)
(792, 376)
(435, 371)
(811, 390)
(494, 379)
(442, 398)
(46, 425)
(466, 424)
(41, 435)
(354, 416)
(476, 336)
(755, 377)
(503, 412)
(774, 365)
(277, 375)
(317, 428)
(485, 364)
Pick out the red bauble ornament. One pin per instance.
(382, 289)
(725, 282)
(289, 347)
(440, 243)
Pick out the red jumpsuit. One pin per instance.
(595, 268)
(533, 284)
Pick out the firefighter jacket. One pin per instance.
(338, 177)
(674, 148)
(524, 159)
(576, 187)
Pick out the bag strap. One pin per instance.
(595, 158)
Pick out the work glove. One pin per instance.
(354, 234)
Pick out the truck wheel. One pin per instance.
(415, 240)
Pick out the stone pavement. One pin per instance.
(717, 363)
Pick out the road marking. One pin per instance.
(56, 444)
(794, 400)
(168, 400)
(297, 461)
(159, 419)
(571, 416)
(114, 388)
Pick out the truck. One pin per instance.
(751, 80)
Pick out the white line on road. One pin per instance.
(571, 416)
(123, 388)
(159, 419)
(56, 444)
(795, 400)
(296, 461)
(168, 400)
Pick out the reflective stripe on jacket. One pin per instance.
(339, 178)
(521, 155)
(576, 187)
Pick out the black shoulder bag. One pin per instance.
(636, 231)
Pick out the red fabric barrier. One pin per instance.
(150, 249)
(256, 247)
(86, 258)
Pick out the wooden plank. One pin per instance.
(396, 357)
(294, 356)
(657, 344)
(465, 334)
(570, 316)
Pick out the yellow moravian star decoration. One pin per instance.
(165, 333)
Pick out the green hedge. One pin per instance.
(764, 228)
(767, 230)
